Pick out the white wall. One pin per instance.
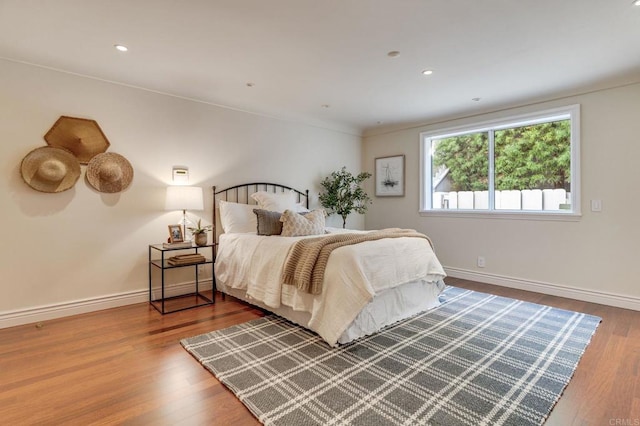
(82, 244)
(597, 254)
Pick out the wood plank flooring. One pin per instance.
(126, 366)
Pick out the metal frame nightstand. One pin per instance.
(161, 264)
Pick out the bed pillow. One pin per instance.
(278, 201)
(268, 222)
(236, 217)
(297, 225)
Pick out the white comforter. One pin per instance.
(354, 275)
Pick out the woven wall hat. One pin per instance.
(109, 172)
(83, 137)
(49, 169)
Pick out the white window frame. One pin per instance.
(426, 184)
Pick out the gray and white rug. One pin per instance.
(478, 359)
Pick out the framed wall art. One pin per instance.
(390, 176)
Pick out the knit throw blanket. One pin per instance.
(307, 260)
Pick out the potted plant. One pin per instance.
(343, 193)
(199, 233)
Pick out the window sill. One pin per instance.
(510, 215)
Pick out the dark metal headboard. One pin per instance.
(242, 194)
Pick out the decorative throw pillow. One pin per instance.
(268, 222)
(235, 217)
(296, 225)
(278, 201)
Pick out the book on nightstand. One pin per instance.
(186, 244)
(186, 259)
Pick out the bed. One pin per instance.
(363, 288)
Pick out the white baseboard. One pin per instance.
(594, 296)
(83, 306)
(49, 312)
(181, 288)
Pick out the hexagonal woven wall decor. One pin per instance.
(81, 136)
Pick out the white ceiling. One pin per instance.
(303, 54)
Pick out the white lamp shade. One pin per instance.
(184, 198)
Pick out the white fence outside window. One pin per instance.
(528, 199)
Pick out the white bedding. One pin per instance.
(354, 276)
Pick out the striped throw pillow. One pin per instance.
(268, 222)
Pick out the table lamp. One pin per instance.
(184, 198)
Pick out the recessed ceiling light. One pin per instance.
(636, 3)
(120, 47)
(250, 84)
(427, 72)
(393, 54)
(475, 99)
(325, 105)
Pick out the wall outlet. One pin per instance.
(481, 262)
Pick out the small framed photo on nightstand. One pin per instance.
(175, 234)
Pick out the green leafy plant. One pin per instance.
(527, 157)
(343, 193)
(199, 229)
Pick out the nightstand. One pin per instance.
(167, 298)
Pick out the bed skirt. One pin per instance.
(388, 307)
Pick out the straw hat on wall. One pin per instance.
(83, 137)
(49, 169)
(109, 172)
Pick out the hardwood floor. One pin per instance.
(126, 366)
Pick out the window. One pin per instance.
(516, 166)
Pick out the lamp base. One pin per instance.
(186, 224)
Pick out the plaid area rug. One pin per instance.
(478, 359)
